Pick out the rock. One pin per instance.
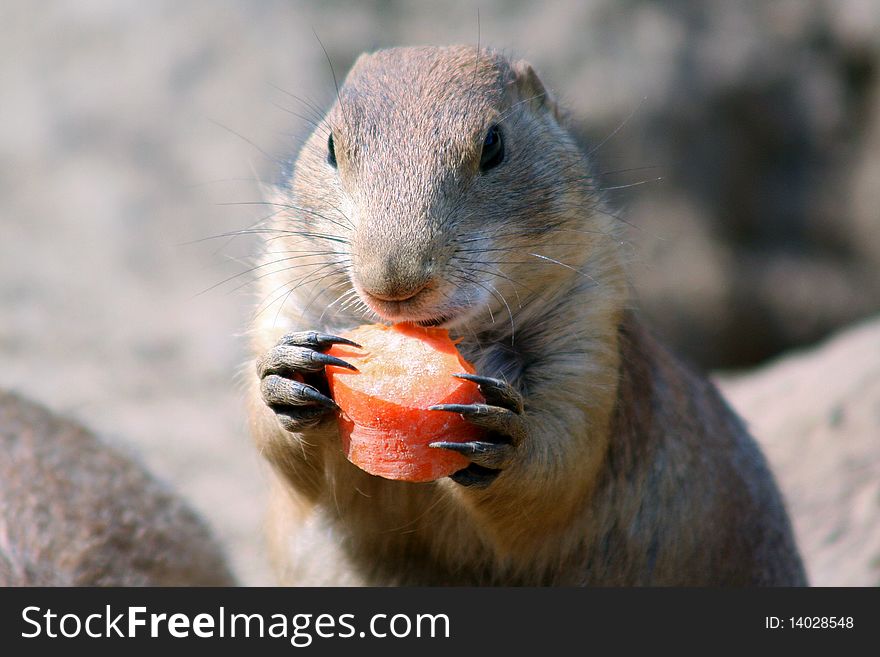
(817, 415)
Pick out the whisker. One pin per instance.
(317, 112)
(318, 292)
(507, 278)
(262, 152)
(335, 82)
(562, 264)
(312, 122)
(635, 184)
(287, 206)
(281, 271)
(260, 266)
(347, 293)
(299, 282)
(618, 128)
(630, 170)
(530, 231)
(279, 232)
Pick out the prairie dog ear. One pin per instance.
(532, 89)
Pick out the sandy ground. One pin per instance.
(131, 130)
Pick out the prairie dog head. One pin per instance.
(440, 189)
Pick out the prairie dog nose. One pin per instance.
(393, 279)
(401, 295)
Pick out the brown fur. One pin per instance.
(74, 512)
(631, 471)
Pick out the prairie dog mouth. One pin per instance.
(430, 307)
(424, 308)
(402, 312)
(397, 311)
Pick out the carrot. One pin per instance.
(384, 424)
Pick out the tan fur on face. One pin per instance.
(630, 464)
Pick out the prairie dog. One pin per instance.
(442, 188)
(74, 512)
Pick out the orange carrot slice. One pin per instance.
(384, 424)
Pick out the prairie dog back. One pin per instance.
(74, 512)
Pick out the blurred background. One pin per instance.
(745, 149)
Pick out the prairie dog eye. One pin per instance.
(493, 149)
(331, 151)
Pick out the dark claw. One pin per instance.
(468, 449)
(277, 390)
(496, 391)
(326, 339)
(286, 359)
(315, 340)
(468, 410)
(501, 416)
(312, 395)
(481, 380)
(475, 475)
(494, 418)
(327, 359)
(292, 377)
(486, 454)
